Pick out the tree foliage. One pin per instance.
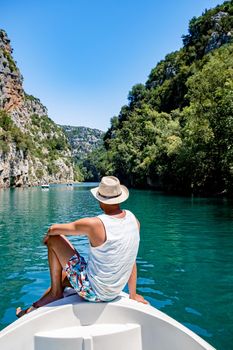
(176, 133)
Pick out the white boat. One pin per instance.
(74, 324)
(45, 186)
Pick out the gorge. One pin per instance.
(33, 149)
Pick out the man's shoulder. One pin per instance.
(88, 222)
(95, 224)
(133, 215)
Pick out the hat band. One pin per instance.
(109, 197)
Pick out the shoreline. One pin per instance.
(220, 195)
(41, 184)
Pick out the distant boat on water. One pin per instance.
(45, 186)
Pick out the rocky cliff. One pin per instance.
(33, 149)
(83, 140)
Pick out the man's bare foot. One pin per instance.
(20, 312)
(48, 298)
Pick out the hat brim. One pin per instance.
(117, 200)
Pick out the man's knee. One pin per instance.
(52, 240)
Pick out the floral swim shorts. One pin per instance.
(77, 275)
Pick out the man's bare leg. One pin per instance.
(60, 250)
(65, 283)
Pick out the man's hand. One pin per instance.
(139, 298)
(45, 239)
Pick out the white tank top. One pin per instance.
(110, 265)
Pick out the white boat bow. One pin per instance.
(123, 324)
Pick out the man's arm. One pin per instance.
(91, 227)
(79, 227)
(132, 282)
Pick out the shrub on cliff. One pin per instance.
(11, 133)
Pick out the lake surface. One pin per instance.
(185, 261)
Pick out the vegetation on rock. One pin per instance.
(83, 140)
(176, 133)
(85, 143)
(9, 132)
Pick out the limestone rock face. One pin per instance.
(83, 140)
(218, 37)
(11, 90)
(14, 168)
(33, 149)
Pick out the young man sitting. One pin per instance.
(114, 241)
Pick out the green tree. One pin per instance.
(207, 150)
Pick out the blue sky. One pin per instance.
(81, 58)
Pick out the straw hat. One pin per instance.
(110, 191)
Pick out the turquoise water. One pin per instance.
(185, 261)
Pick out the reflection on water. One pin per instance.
(185, 260)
